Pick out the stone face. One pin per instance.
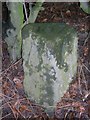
(49, 54)
(11, 29)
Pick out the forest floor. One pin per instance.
(75, 104)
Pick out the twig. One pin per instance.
(12, 65)
(79, 72)
(1, 94)
(86, 39)
(18, 110)
(86, 96)
(67, 114)
(5, 116)
(12, 110)
(86, 67)
(65, 106)
(84, 79)
(13, 85)
(25, 12)
(13, 100)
